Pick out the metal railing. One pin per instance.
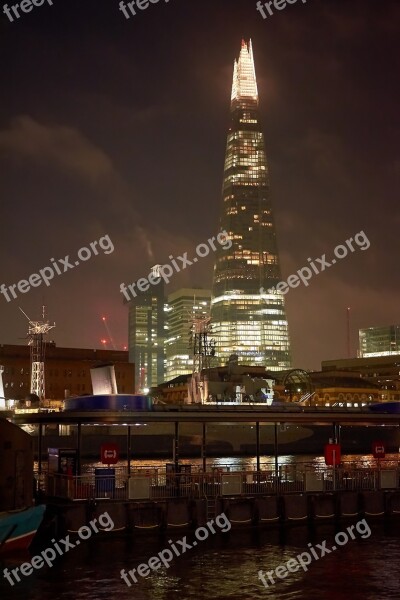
(285, 470)
(163, 486)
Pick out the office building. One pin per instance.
(183, 306)
(379, 341)
(247, 323)
(147, 335)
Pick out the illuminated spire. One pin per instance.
(244, 74)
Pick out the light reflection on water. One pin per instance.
(250, 462)
(224, 567)
(267, 462)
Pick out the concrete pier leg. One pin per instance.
(240, 511)
(117, 512)
(79, 448)
(203, 447)
(296, 507)
(348, 504)
(276, 452)
(258, 446)
(176, 446)
(129, 449)
(40, 445)
(268, 510)
(323, 506)
(394, 504)
(146, 516)
(373, 503)
(178, 513)
(73, 517)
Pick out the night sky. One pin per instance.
(115, 126)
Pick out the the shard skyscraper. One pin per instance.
(248, 323)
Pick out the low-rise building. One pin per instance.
(67, 370)
(381, 371)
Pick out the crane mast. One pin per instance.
(37, 332)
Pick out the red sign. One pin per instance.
(332, 455)
(378, 449)
(109, 454)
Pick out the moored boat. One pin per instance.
(19, 527)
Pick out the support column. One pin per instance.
(334, 433)
(40, 444)
(176, 446)
(128, 449)
(336, 440)
(258, 446)
(276, 450)
(79, 448)
(203, 447)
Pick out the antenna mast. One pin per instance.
(36, 340)
(348, 333)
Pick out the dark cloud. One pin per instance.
(63, 147)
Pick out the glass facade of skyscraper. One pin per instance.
(245, 322)
(379, 341)
(146, 336)
(183, 305)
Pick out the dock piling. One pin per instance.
(276, 450)
(129, 449)
(203, 447)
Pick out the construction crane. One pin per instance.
(36, 340)
(203, 351)
(108, 333)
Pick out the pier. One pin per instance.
(170, 497)
(160, 499)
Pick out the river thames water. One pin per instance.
(225, 566)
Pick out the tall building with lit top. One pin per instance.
(245, 322)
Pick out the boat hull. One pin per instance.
(18, 528)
